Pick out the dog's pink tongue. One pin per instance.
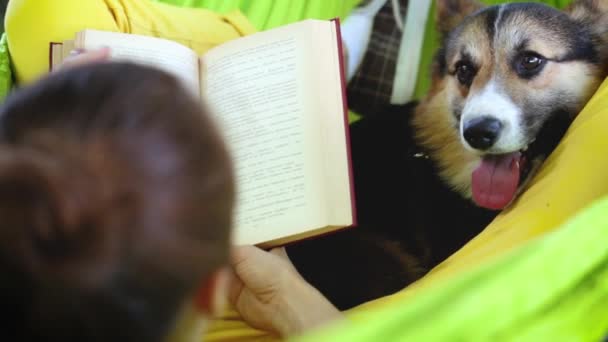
(495, 181)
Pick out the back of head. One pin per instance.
(116, 196)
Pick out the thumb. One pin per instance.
(235, 287)
(250, 271)
(241, 255)
(282, 254)
(246, 259)
(258, 270)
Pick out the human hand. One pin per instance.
(270, 294)
(82, 57)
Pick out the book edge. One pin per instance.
(330, 229)
(336, 22)
(304, 236)
(51, 45)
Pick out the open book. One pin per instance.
(279, 99)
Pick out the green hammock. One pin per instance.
(6, 76)
(552, 289)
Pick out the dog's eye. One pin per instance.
(529, 64)
(465, 72)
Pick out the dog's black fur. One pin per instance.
(409, 218)
(395, 182)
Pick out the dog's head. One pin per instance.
(507, 82)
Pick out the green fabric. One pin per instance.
(6, 75)
(551, 289)
(432, 39)
(266, 14)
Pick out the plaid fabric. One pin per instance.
(371, 87)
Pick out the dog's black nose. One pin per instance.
(481, 133)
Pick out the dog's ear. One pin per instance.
(594, 15)
(450, 13)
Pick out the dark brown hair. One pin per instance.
(116, 197)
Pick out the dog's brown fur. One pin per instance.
(412, 171)
(433, 118)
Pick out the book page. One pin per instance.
(260, 88)
(56, 55)
(333, 120)
(59, 52)
(67, 48)
(166, 55)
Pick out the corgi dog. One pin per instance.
(507, 82)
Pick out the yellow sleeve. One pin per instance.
(31, 25)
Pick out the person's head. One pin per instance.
(116, 197)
